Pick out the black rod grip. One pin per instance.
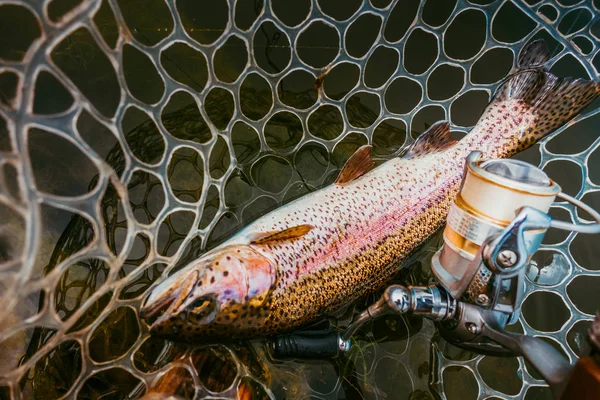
(306, 345)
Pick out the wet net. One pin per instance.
(137, 134)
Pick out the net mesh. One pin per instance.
(137, 134)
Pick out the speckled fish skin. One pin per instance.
(255, 284)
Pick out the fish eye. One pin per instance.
(202, 310)
(199, 303)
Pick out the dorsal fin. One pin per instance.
(435, 139)
(358, 164)
(287, 234)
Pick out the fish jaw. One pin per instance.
(208, 296)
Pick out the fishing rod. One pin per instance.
(494, 227)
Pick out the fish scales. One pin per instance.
(329, 248)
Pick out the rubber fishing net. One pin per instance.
(137, 134)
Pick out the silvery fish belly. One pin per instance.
(327, 249)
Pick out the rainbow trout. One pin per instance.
(329, 248)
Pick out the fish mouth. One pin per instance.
(164, 300)
(152, 309)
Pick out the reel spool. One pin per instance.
(492, 194)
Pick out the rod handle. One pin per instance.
(307, 345)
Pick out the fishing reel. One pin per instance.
(494, 227)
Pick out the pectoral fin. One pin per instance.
(358, 164)
(287, 234)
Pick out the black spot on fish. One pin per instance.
(212, 280)
(225, 273)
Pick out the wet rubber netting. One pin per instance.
(135, 135)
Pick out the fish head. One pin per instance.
(208, 297)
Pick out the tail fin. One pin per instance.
(553, 101)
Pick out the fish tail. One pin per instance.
(552, 101)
